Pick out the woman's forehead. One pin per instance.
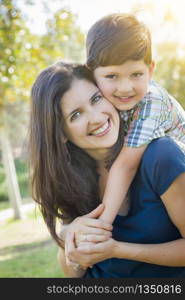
(79, 94)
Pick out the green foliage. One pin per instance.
(63, 38)
(12, 31)
(23, 54)
(3, 186)
(17, 120)
(170, 69)
(22, 175)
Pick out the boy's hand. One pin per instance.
(90, 229)
(93, 238)
(88, 253)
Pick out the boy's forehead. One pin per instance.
(128, 65)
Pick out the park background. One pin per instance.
(33, 35)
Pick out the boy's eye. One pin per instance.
(75, 115)
(111, 76)
(137, 74)
(97, 98)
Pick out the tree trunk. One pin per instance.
(10, 172)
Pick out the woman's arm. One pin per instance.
(166, 254)
(69, 270)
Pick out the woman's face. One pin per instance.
(90, 121)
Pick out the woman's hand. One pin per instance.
(89, 229)
(88, 253)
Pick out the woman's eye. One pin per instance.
(137, 75)
(111, 76)
(97, 98)
(75, 116)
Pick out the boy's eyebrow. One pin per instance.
(138, 70)
(76, 109)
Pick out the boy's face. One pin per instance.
(124, 85)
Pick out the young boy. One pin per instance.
(119, 53)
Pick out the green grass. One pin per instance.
(27, 250)
(31, 261)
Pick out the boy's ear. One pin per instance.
(151, 68)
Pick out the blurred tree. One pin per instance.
(170, 69)
(169, 51)
(63, 39)
(11, 26)
(22, 56)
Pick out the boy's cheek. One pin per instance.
(100, 83)
(104, 86)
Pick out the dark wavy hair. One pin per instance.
(64, 177)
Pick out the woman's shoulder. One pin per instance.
(162, 163)
(164, 148)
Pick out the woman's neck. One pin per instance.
(99, 155)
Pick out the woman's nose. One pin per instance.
(96, 117)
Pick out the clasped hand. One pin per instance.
(88, 240)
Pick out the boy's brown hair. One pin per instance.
(117, 38)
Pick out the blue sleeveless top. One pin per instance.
(147, 221)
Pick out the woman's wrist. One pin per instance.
(124, 250)
(72, 270)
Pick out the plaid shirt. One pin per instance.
(158, 114)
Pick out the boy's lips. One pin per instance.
(124, 99)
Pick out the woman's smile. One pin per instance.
(102, 130)
(90, 121)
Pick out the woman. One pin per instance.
(75, 136)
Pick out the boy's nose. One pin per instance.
(124, 87)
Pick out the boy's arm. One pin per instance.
(119, 179)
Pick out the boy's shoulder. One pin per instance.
(156, 90)
(154, 98)
(153, 86)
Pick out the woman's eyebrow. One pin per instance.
(94, 95)
(72, 112)
(78, 108)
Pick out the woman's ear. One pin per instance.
(64, 139)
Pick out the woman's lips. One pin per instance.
(102, 130)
